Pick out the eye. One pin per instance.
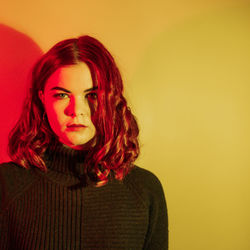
(92, 96)
(60, 95)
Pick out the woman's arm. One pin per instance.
(157, 236)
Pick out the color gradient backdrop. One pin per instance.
(185, 65)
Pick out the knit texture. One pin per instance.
(60, 210)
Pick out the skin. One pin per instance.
(66, 98)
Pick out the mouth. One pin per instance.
(75, 126)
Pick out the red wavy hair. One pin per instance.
(117, 131)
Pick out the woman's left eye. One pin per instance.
(92, 96)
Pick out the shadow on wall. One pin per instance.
(18, 53)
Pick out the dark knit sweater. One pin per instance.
(54, 211)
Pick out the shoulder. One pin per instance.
(13, 180)
(146, 184)
(10, 171)
(143, 177)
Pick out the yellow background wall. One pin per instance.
(186, 69)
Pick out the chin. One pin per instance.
(81, 143)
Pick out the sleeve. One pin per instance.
(3, 232)
(2, 188)
(3, 216)
(157, 235)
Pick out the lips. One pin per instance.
(76, 126)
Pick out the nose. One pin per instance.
(77, 106)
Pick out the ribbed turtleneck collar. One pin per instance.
(63, 159)
(65, 165)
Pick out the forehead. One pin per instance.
(75, 78)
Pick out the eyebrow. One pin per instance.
(67, 91)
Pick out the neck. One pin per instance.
(64, 159)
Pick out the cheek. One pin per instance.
(55, 114)
(93, 129)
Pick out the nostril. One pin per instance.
(77, 107)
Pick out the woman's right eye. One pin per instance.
(60, 95)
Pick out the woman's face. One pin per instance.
(66, 97)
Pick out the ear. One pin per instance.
(41, 96)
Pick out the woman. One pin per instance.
(72, 183)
